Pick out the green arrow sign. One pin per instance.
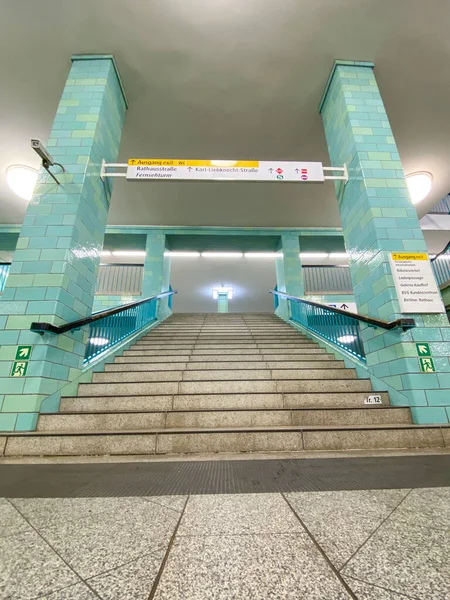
(427, 365)
(19, 368)
(23, 352)
(423, 349)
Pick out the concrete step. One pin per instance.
(220, 401)
(158, 388)
(281, 439)
(223, 375)
(212, 419)
(157, 352)
(210, 366)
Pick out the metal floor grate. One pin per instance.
(222, 476)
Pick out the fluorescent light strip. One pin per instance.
(313, 255)
(186, 254)
(262, 254)
(105, 253)
(222, 254)
(129, 253)
(338, 255)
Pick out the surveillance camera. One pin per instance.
(40, 149)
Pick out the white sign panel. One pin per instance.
(373, 400)
(347, 306)
(415, 283)
(222, 170)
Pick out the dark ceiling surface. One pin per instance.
(227, 79)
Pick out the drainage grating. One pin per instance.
(222, 476)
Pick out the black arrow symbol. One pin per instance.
(344, 306)
(270, 170)
(189, 168)
(133, 162)
(297, 170)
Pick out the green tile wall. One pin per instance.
(54, 268)
(378, 218)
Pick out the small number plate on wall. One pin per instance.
(373, 400)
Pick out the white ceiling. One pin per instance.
(227, 79)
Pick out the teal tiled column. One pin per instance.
(156, 277)
(377, 219)
(289, 271)
(54, 268)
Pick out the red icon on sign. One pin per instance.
(304, 175)
(279, 171)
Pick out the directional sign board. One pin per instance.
(415, 283)
(423, 349)
(223, 170)
(23, 352)
(347, 306)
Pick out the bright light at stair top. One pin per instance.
(222, 254)
(224, 289)
(98, 341)
(419, 185)
(185, 254)
(346, 339)
(22, 180)
(129, 253)
(263, 255)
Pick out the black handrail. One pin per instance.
(444, 251)
(399, 323)
(49, 328)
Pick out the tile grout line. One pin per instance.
(166, 556)
(400, 594)
(376, 529)
(322, 552)
(55, 551)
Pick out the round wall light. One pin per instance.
(22, 180)
(419, 185)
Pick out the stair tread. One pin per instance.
(400, 426)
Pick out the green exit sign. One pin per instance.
(423, 349)
(23, 352)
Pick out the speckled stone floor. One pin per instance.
(377, 544)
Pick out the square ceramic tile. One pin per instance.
(405, 559)
(266, 567)
(133, 580)
(29, 568)
(428, 507)
(342, 521)
(106, 540)
(11, 521)
(232, 514)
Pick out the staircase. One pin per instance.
(208, 383)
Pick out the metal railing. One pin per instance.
(337, 326)
(441, 265)
(109, 327)
(119, 279)
(326, 279)
(442, 207)
(4, 270)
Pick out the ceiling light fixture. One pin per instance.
(129, 253)
(338, 255)
(105, 253)
(223, 163)
(262, 254)
(222, 254)
(223, 289)
(186, 254)
(313, 254)
(419, 185)
(22, 180)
